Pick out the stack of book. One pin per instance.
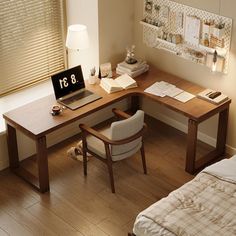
(132, 70)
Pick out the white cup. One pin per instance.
(92, 79)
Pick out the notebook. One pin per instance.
(69, 88)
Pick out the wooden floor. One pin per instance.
(85, 206)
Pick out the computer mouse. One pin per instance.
(214, 95)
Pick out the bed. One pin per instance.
(204, 206)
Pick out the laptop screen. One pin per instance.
(67, 81)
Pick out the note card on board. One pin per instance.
(192, 30)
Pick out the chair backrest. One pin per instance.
(124, 129)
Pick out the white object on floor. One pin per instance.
(75, 154)
(79, 146)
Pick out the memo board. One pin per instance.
(187, 32)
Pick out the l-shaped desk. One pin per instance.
(35, 121)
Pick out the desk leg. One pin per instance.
(135, 103)
(222, 131)
(42, 182)
(12, 147)
(191, 146)
(43, 176)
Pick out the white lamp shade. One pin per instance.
(77, 37)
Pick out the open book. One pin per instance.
(122, 82)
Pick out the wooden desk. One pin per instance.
(35, 121)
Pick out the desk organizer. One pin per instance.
(187, 32)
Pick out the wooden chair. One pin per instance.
(121, 140)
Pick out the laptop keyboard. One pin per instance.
(77, 97)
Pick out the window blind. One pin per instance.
(31, 42)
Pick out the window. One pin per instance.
(31, 42)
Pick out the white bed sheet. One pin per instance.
(224, 169)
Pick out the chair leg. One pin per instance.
(84, 148)
(110, 170)
(85, 163)
(109, 166)
(143, 159)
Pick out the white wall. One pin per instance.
(84, 12)
(194, 72)
(116, 29)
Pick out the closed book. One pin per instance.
(133, 74)
(132, 67)
(127, 70)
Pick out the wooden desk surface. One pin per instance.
(35, 119)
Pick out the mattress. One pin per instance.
(204, 206)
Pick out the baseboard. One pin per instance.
(230, 150)
(183, 127)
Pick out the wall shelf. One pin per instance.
(187, 23)
(151, 25)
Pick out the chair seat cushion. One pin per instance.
(96, 145)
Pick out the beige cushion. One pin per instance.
(96, 145)
(124, 129)
(119, 130)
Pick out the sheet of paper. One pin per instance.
(179, 20)
(153, 89)
(184, 96)
(172, 92)
(164, 86)
(192, 30)
(159, 88)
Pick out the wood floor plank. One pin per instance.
(12, 227)
(70, 214)
(111, 228)
(95, 210)
(52, 221)
(15, 193)
(30, 222)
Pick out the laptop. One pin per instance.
(69, 88)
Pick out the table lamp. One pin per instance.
(77, 37)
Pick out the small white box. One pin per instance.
(207, 29)
(218, 33)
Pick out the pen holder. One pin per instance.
(92, 79)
